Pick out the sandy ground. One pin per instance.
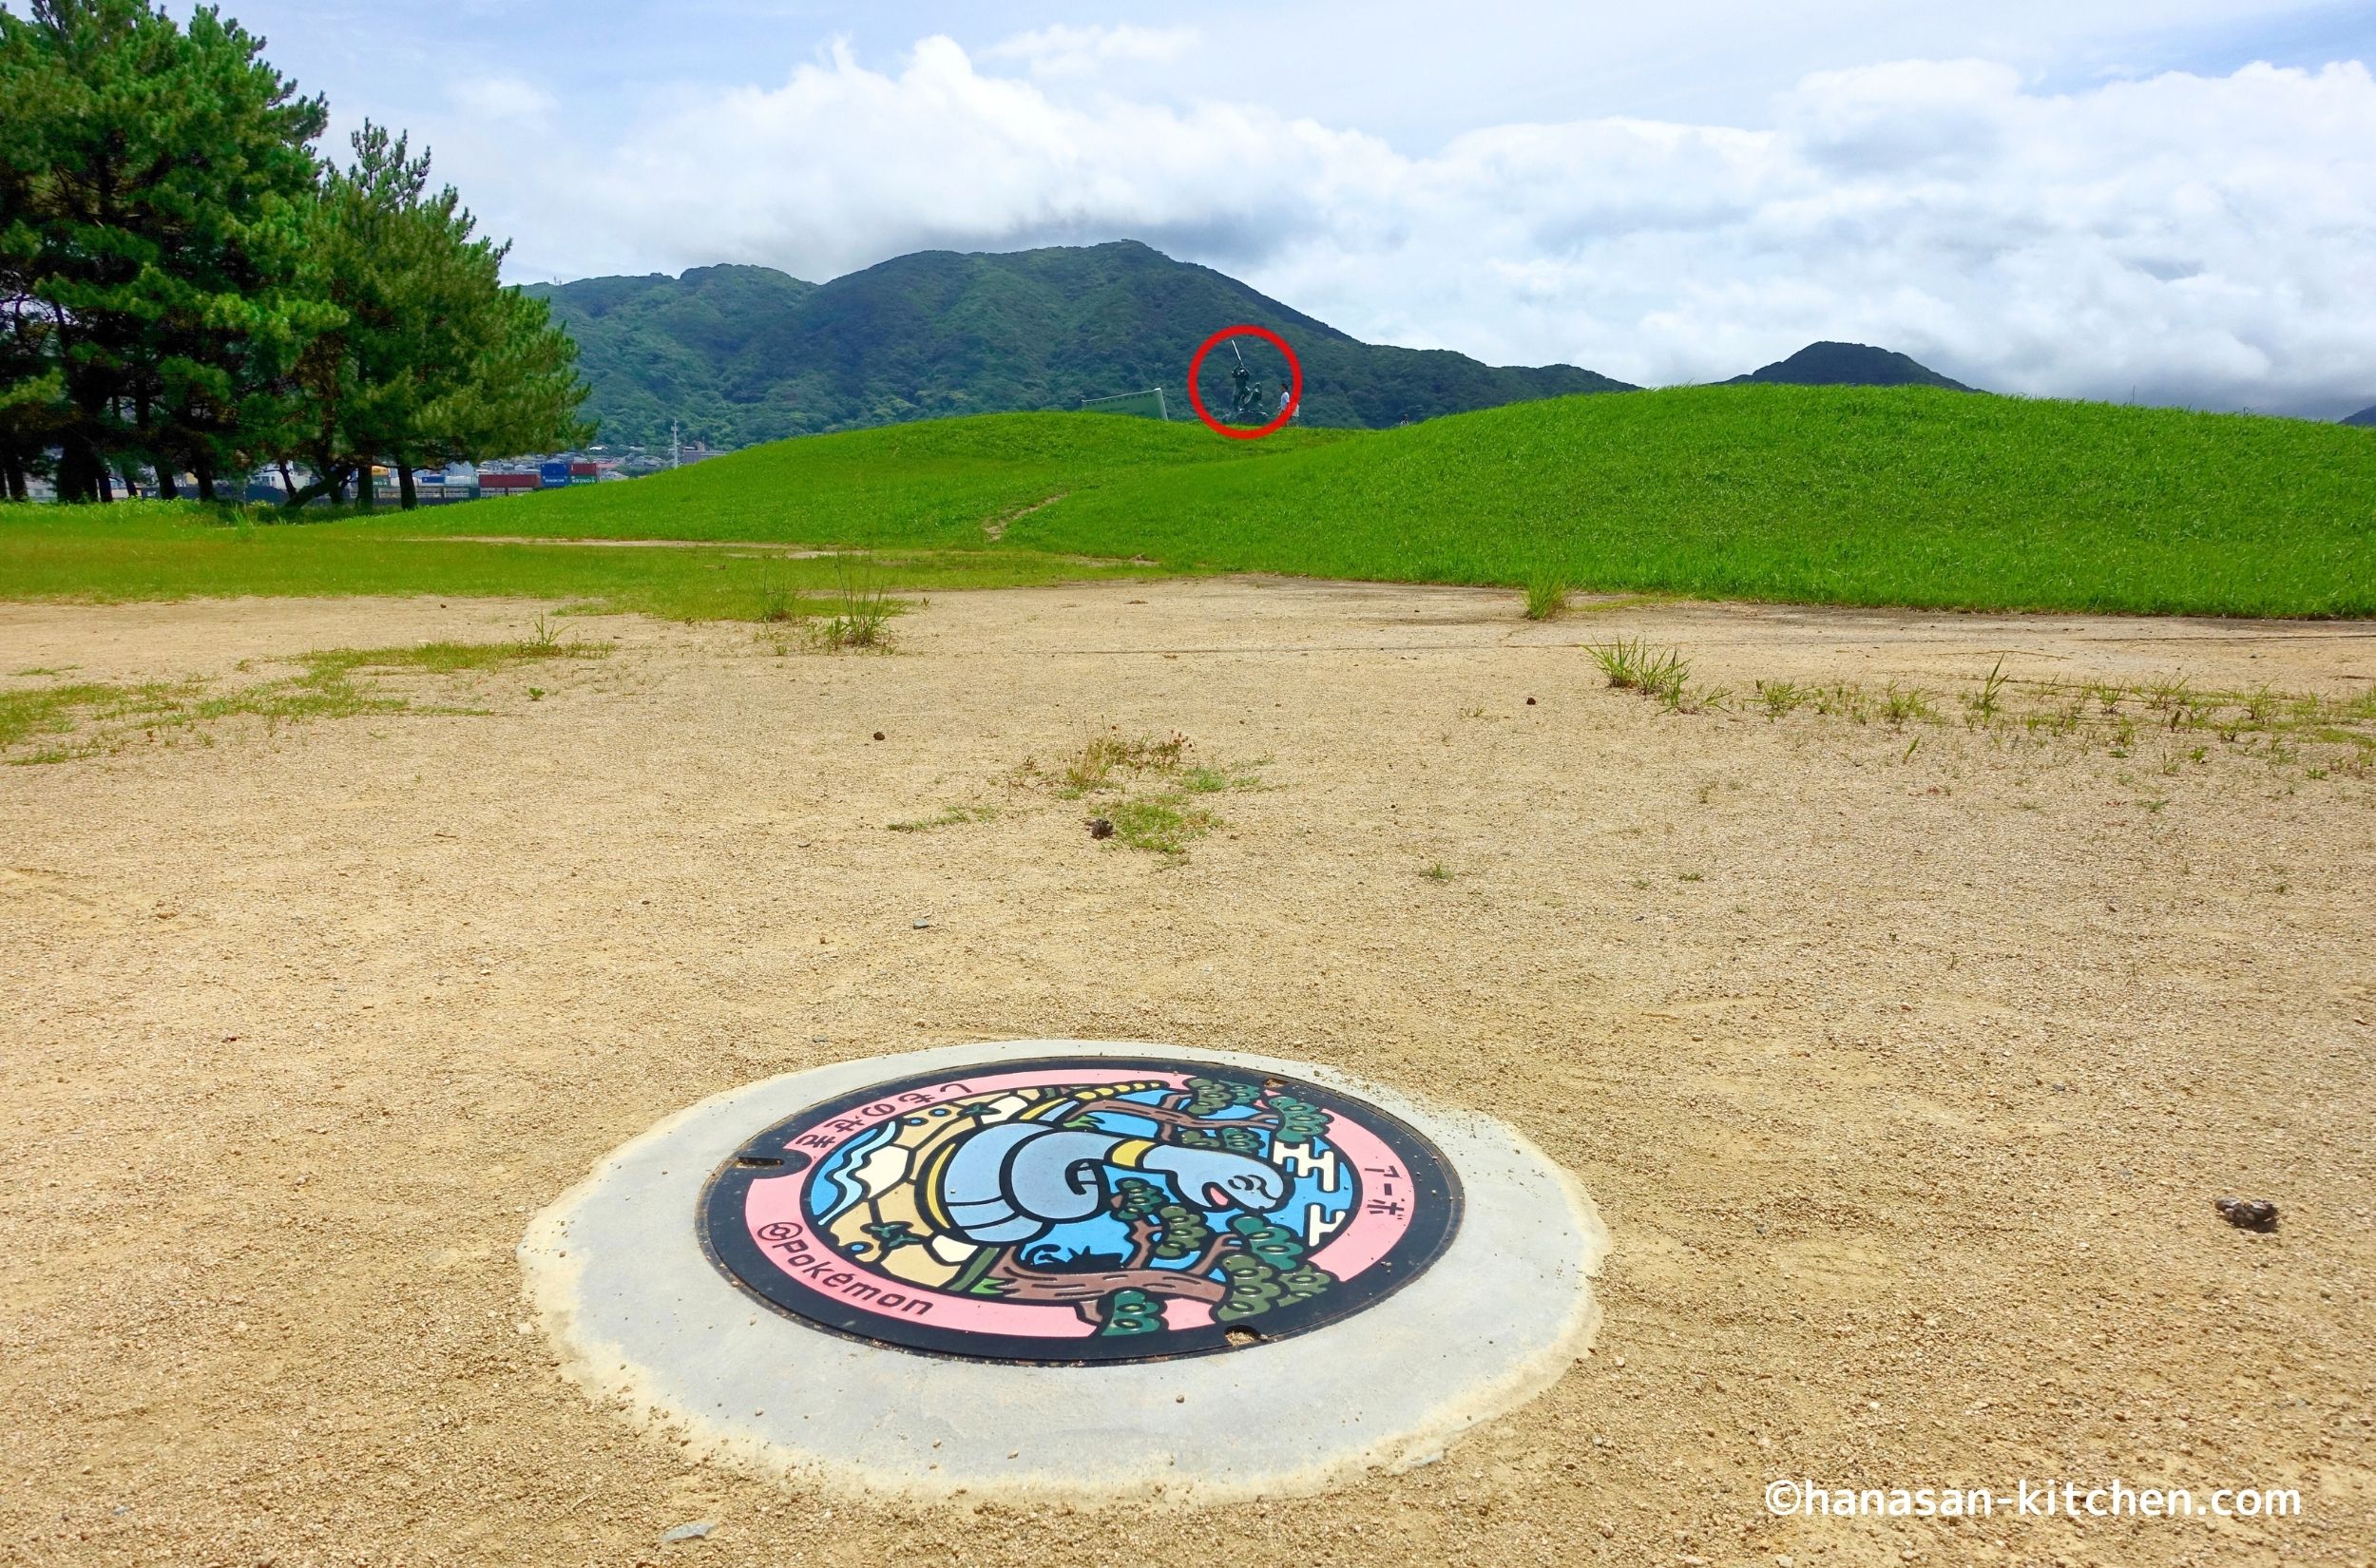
(1904, 1082)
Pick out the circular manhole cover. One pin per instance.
(1080, 1209)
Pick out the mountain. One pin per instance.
(1848, 365)
(742, 355)
(2366, 416)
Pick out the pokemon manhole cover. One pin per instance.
(1087, 1209)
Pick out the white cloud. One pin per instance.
(2203, 238)
(1062, 51)
(502, 97)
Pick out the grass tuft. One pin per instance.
(1153, 784)
(951, 818)
(1547, 594)
(1632, 664)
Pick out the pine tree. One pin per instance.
(164, 174)
(436, 359)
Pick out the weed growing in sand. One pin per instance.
(778, 599)
(2333, 736)
(953, 816)
(862, 606)
(1103, 758)
(1899, 707)
(1160, 823)
(1437, 873)
(1547, 594)
(105, 717)
(1632, 664)
(1783, 697)
(1987, 702)
(1152, 784)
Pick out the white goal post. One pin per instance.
(1148, 405)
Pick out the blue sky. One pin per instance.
(2174, 199)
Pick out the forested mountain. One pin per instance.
(740, 355)
(2366, 416)
(1848, 365)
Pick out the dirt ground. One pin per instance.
(1904, 1075)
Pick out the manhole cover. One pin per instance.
(1080, 1209)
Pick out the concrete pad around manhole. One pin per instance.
(1087, 1269)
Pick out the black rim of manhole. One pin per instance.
(1062, 1211)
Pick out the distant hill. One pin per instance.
(2366, 416)
(1848, 365)
(743, 355)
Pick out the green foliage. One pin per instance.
(1208, 1095)
(158, 179)
(434, 360)
(1235, 1141)
(183, 286)
(1547, 595)
(744, 354)
(1303, 1282)
(1184, 1234)
(1273, 1243)
(1135, 1197)
(1299, 1121)
(1254, 1289)
(1270, 1273)
(1632, 664)
(1129, 1312)
(1160, 824)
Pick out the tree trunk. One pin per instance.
(166, 488)
(107, 488)
(363, 487)
(1028, 1283)
(205, 481)
(78, 468)
(12, 474)
(406, 500)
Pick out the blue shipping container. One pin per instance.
(554, 473)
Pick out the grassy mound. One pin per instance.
(1839, 495)
(1846, 495)
(1851, 496)
(932, 484)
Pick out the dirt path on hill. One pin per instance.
(1903, 1074)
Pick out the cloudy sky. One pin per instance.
(2170, 200)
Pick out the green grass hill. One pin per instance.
(1907, 495)
(744, 354)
